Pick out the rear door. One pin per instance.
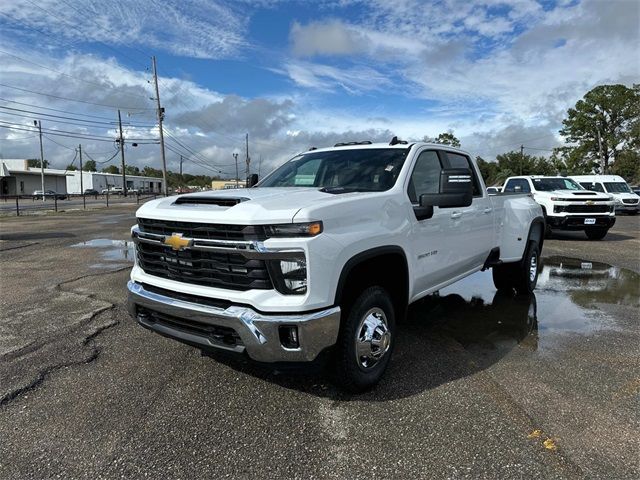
(474, 224)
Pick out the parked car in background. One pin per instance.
(49, 194)
(636, 189)
(113, 191)
(566, 204)
(493, 190)
(626, 200)
(91, 191)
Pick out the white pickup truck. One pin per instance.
(566, 204)
(326, 253)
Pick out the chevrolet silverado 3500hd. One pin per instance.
(567, 205)
(326, 253)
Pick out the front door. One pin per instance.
(431, 239)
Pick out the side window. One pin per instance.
(461, 161)
(426, 175)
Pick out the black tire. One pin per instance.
(597, 233)
(520, 276)
(352, 375)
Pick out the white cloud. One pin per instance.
(216, 32)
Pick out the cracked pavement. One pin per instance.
(475, 388)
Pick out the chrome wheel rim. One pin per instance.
(373, 338)
(533, 267)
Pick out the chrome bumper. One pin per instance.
(259, 332)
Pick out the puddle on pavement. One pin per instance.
(569, 299)
(111, 250)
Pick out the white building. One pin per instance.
(101, 181)
(17, 178)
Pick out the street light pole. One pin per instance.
(121, 142)
(235, 156)
(39, 124)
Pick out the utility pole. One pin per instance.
(39, 123)
(235, 156)
(124, 177)
(259, 165)
(248, 161)
(521, 157)
(180, 167)
(160, 119)
(602, 169)
(84, 205)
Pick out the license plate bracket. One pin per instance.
(589, 221)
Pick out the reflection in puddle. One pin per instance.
(114, 250)
(567, 300)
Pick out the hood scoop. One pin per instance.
(202, 200)
(585, 193)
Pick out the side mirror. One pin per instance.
(456, 190)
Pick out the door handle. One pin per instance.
(487, 210)
(456, 214)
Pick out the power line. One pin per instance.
(70, 76)
(115, 107)
(54, 109)
(96, 122)
(97, 138)
(64, 122)
(60, 144)
(196, 161)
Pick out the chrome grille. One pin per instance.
(229, 270)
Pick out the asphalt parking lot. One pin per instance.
(480, 385)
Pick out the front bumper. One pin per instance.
(235, 328)
(576, 222)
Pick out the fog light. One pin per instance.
(289, 276)
(289, 337)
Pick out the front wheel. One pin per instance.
(366, 340)
(596, 233)
(520, 276)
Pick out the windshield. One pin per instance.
(557, 183)
(357, 170)
(617, 187)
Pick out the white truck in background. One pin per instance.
(325, 254)
(625, 199)
(567, 205)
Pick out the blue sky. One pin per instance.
(296, 74)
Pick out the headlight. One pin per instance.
(310, 229)
(289, 276)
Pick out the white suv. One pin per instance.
(566, 204)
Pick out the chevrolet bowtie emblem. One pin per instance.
(589, 202)
(177, 242)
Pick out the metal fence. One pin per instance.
(26, 204)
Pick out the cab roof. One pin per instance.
(398, 146)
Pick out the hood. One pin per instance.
(575, 194)
(237, 206)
